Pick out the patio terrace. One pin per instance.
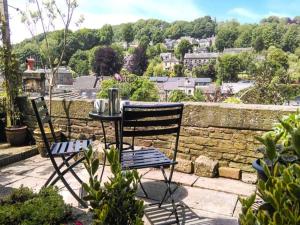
(223, 132)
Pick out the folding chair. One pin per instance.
(151, 120)
(64, 150)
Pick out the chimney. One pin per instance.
(30, 63)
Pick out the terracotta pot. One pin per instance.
(40, 142)
(16, 136)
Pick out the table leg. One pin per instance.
(117, 135)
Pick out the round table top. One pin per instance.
(105, 116)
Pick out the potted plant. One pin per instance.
(15, 132)
(115, 201)
(279, 145)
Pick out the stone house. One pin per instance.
(169, 60)
(196, 59)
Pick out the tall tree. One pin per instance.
(183, 47)
(107, 62)
(227, 35)
(228, 68)
(106, 35)
(127, 33)
(203, 27)
(291, 39)
(139, 61)
(79, 62)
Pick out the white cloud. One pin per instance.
(242, 12)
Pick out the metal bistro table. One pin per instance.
(105, 117)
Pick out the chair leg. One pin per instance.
(55, 172)
(83, 203)
(143, 189)
(71, 170)
(168, 184)
(67, 170)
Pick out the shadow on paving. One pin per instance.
(157, 189)
(164, 216)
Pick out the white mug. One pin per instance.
(100, 105)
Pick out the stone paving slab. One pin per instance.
(6, 179)
(225, 185)
(178, 177)
(31, 182)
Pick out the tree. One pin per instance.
(88, 38)
(127, 33)
(291, 39)
(179, 96)
(46, 12)
(258, 44)
(203, 27)
(227, 35)
(228, 68)
(183, 47)
(277, 56)
(179, 70)
(139, 61)
(135, 88)
(155, 50)
(107, 62)
(79, 62)
(157, 36)
(206, 70)
(244, 39)
(179, 29)
(106, 35)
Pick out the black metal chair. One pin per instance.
(151, 120)
(64, 150)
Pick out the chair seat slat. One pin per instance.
(148, 123)
(70, 148)
(141, 133)
(63, 147)
(55, 148)
(84, 143)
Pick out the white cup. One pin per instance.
(100, 105)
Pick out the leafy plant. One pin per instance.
(281, 196)
(280, 192)
(114, 203)
(23, 207)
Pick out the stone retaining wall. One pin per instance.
(223, 132)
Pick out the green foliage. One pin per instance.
(179, 96)
(228, 67)
(233, 100)
(203, 27)
(134, 87)
(183, 47)
(106, 35)
(27, 208)
(206, 70)
(79, 62)
(179, 70)
(155, 50)
(155, 68)
(226, 35)
(139, 61)
(114, 203)
(127, 33)
(281, 191)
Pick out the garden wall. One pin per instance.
(224, 132)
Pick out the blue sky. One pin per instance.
(100, 12)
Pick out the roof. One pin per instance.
(180, 79)
(159, 79)
(235, 87)
(84, 82)
(201, 55)
(237, 50)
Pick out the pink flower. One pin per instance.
(78, 222)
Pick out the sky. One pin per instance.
(99, 12)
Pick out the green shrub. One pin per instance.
(115, 203)
(23, 207)
(233, 100)
(281, 164)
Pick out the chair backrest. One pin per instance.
(43, 117)
(152, 120)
